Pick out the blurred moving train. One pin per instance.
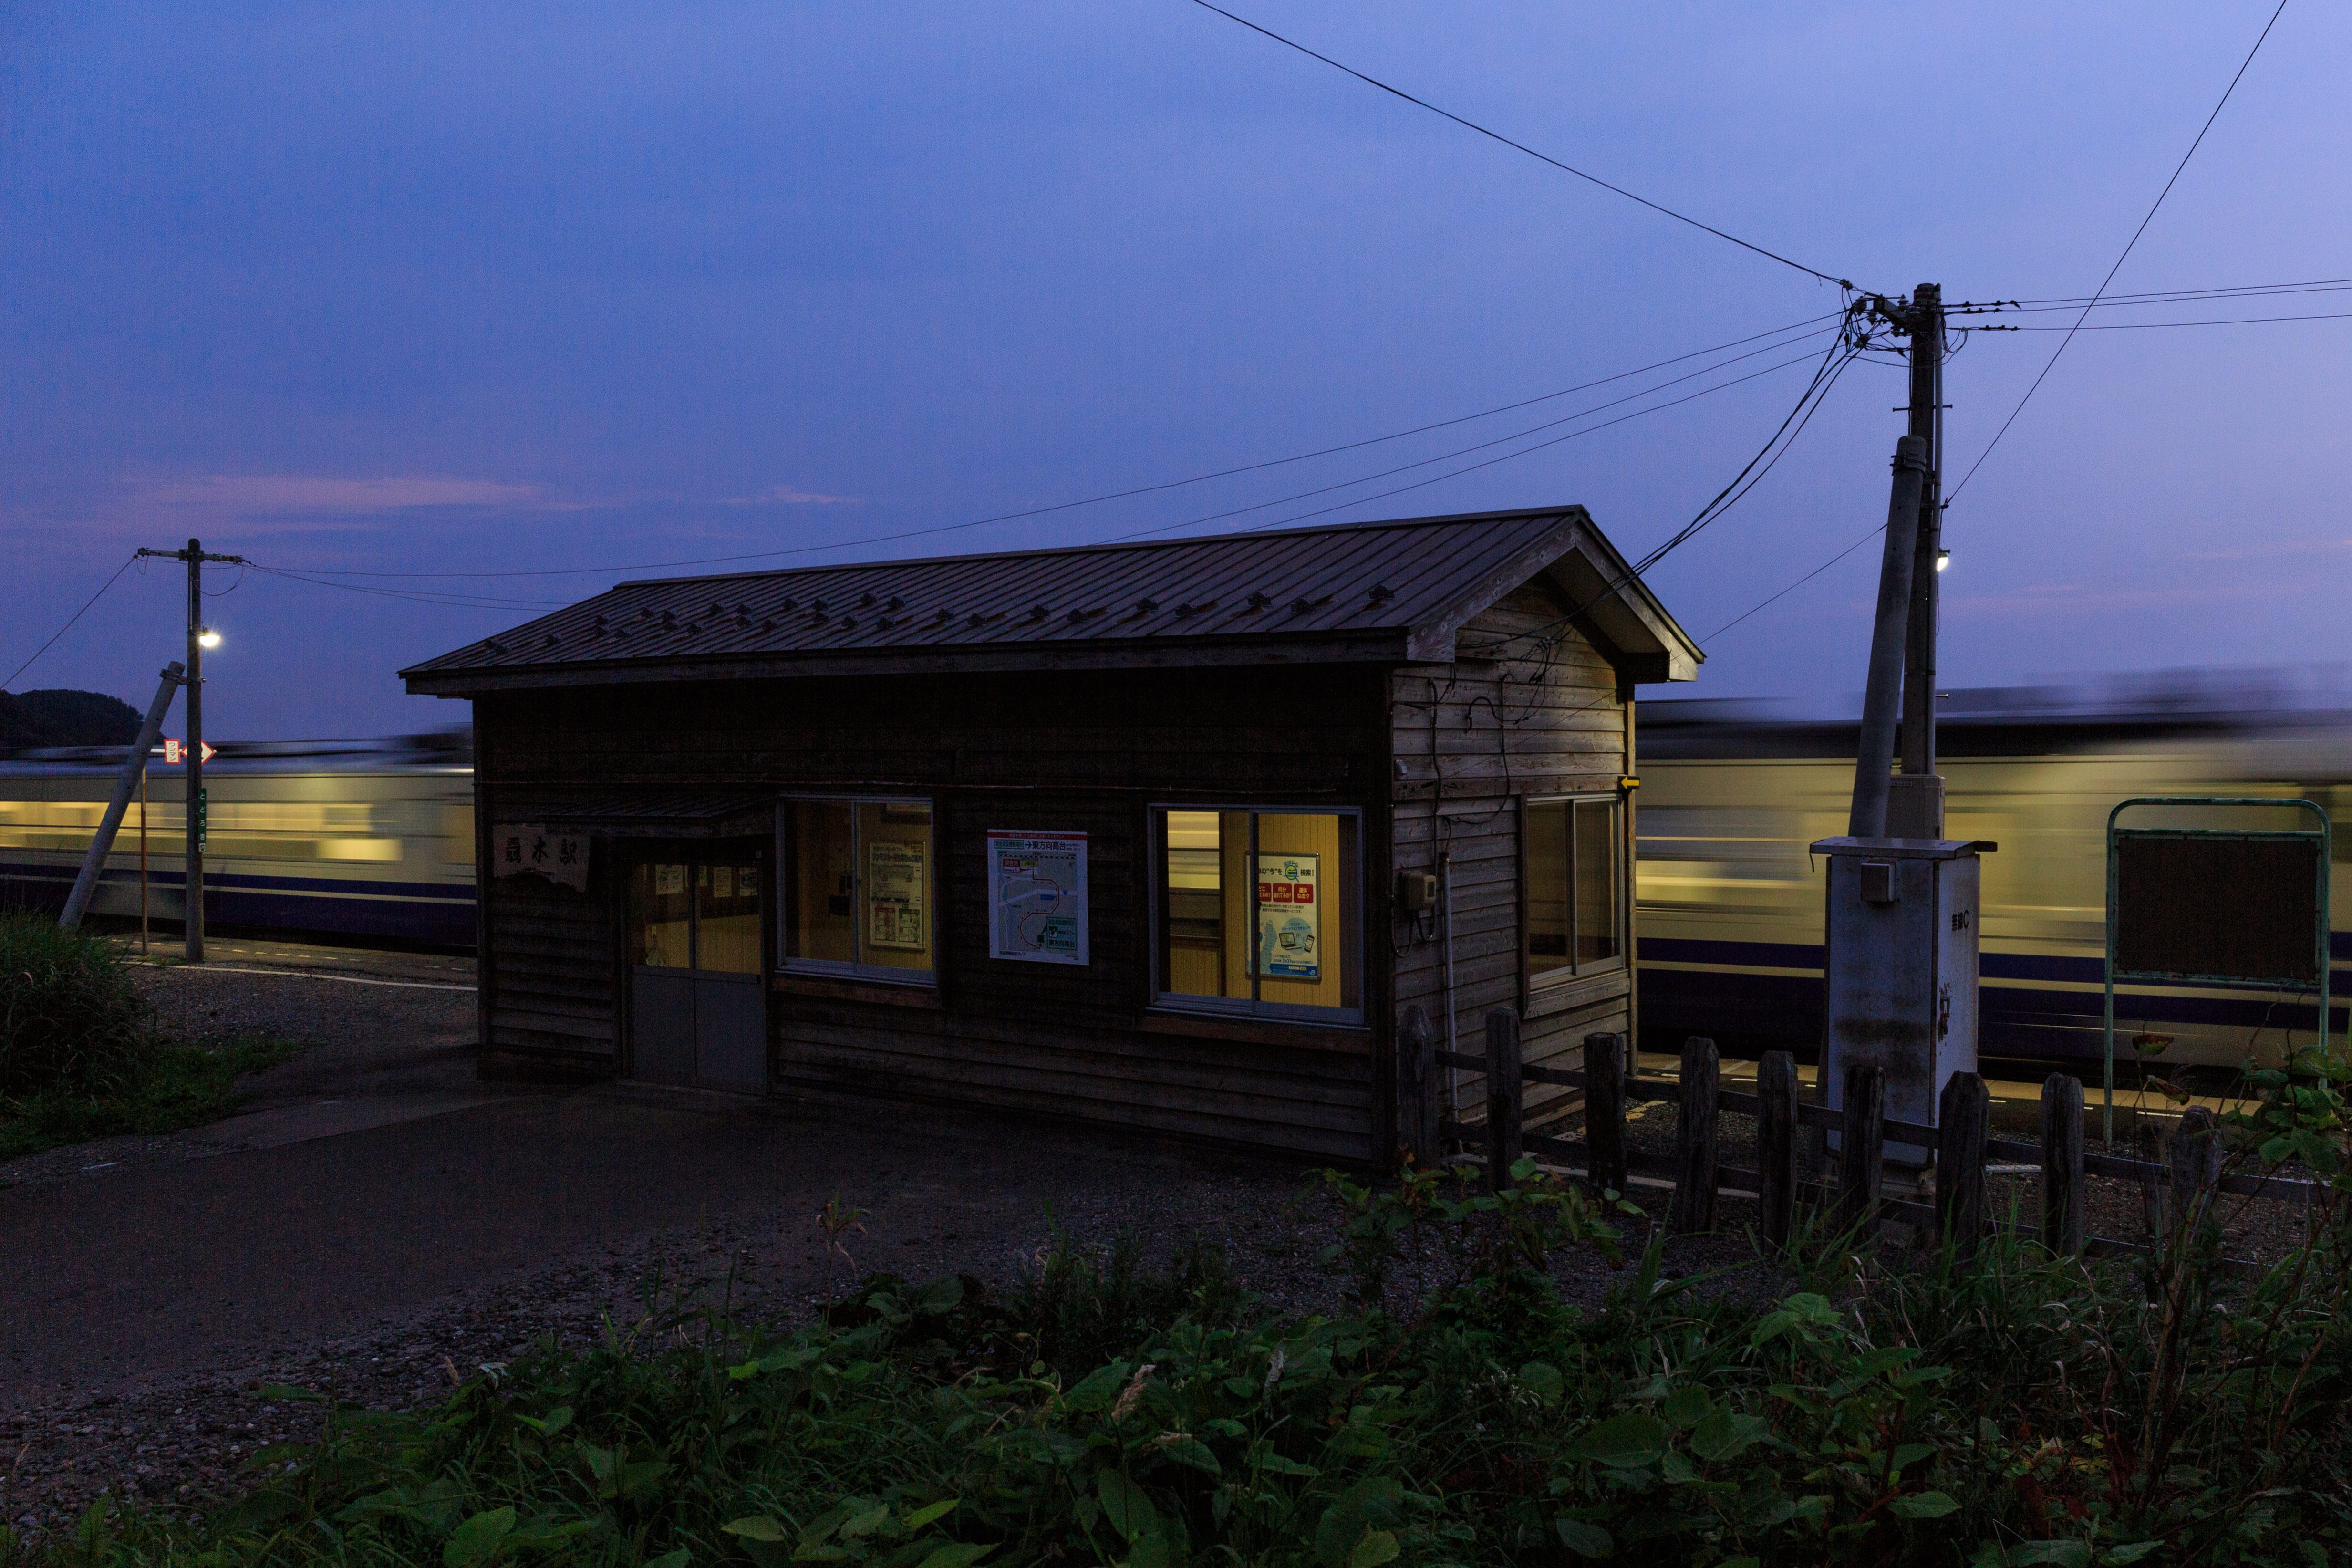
(370, 839)
(375, 839)
(1732, 901)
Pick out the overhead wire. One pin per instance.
(1469, 468)
(1780, 332)
(2147, 326)
(1523, 147)
(1776, 598)
(62, 630)
(2120, 259)
(1766, 458)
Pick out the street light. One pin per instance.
(1943, 559)
(208, 638)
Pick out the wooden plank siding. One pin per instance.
(1473, 741)
(1437, 758)
(1087, 752)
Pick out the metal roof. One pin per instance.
(1395, 592)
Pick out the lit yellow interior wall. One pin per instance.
(821, 856)
(875, 827)
(727, 926)
(1318, 835)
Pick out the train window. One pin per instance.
(1575, 882)
(1256, 911)
(858, 888)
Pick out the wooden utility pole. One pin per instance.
(198, 633)
(1916, 808)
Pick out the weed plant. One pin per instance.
(81, 1055)
(71, 1018)
(2012, 1408)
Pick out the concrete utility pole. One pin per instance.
(1916, 808)
(198, 635)
(1901, 926)
(1882, 697)
(135, 777)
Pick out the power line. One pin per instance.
(1798, 583)
(62, 630)
(1768, 456)
(1126, 494)
(2120, 259)
(2146, 326)
(2110, 302)
(1523, 147)
(1463, 451)
(417, 595)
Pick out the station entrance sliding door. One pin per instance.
(696, 1002)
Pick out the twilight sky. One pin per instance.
(495, 288)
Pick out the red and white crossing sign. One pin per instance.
(176, 752)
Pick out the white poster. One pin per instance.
(894, 887)
(1037, 897)
(558, 854)
(1289, 917)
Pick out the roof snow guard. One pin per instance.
(1384, 593)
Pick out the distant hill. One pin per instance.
(60, 718)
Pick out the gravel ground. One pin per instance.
(182, 1440)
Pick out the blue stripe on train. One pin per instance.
(460, 892)
(2015, 1020)
(409, 912)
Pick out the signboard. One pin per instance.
(1037, 897)
(2202, 906)
(558, 854)
(1289, 916)
(176, 751)
(2226, 906)
(893, 893)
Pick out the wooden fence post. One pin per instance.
(1604, 1112)
(1862, 1147)
(2062, 1165)
(1961, 1116)
(1776, 1145)
(1505, 1089)
(2193, 1152)
(1695, 1122)
(1417, 1107)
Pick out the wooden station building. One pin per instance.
(1166, 835)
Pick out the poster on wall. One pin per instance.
(1037, 897)
(894, 884)
(528, 849)
(1289, 916)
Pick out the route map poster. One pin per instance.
(894, 882)
(1037, 897)
(1289, 917)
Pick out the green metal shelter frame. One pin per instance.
(2315, 980)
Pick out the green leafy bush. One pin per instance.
(71, 1018)
(2018, 1408)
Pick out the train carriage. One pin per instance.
(1731, 902)
(370, 839)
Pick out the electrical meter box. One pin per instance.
(1901, 965)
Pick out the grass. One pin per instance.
(2018, 1408)
(81, 1055)
(171, 1089)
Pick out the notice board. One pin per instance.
(1037, 897)
(2239, 906)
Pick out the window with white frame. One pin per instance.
(857, 887)
(1575, 882)
(1256, 911)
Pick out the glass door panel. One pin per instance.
(727, 917)
(661, 915)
